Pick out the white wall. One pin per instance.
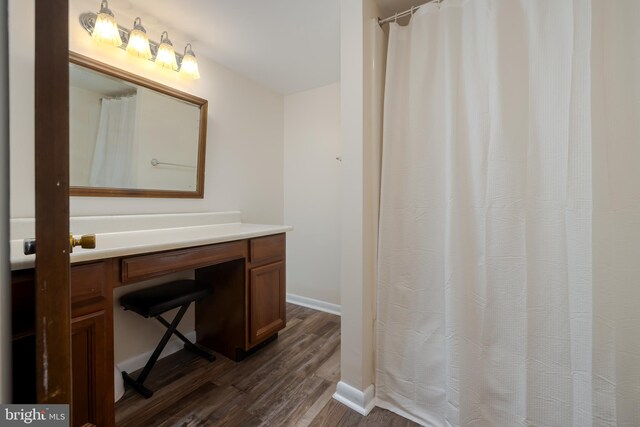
(312, 193)
(181, 129)
(5, 295)
(244, 167)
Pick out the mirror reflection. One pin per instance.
(123, 135)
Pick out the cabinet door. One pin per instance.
(267, 313)
(89, 370)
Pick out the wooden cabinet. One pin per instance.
(267, 289)
(267, 312)
(89, 365)
(245, 311)
(247, 306)
(91, 341)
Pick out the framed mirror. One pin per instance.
(132, 137)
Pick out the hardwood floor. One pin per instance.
(288, 383)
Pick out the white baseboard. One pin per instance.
(315, 304)
(136, 362)
(360, 401)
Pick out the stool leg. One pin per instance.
(137, 384)
(128, 379)
(188, 344)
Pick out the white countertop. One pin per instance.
(116, 244)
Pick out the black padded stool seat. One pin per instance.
(152, 302)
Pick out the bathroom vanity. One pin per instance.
(245, 264)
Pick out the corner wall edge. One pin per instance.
(361, 401)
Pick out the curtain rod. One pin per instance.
(381, 22)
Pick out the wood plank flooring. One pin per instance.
(288, 383)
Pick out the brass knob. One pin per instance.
(86, 241)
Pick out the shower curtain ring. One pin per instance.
(395, 18)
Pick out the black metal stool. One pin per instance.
(152, 302)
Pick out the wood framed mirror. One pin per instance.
(132, 137)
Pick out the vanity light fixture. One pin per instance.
(103, 27)
(106, 28)
(166, 56)
(189, 64)
(138, 44)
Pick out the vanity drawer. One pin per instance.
(146, 266)
(89, 282)
(268, 248)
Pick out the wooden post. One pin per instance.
(53, 311)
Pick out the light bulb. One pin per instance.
(105, 29)
(189, 64)
(138, 44)
(166, 56)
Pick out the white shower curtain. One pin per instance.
(509, 249)
(113, 154)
